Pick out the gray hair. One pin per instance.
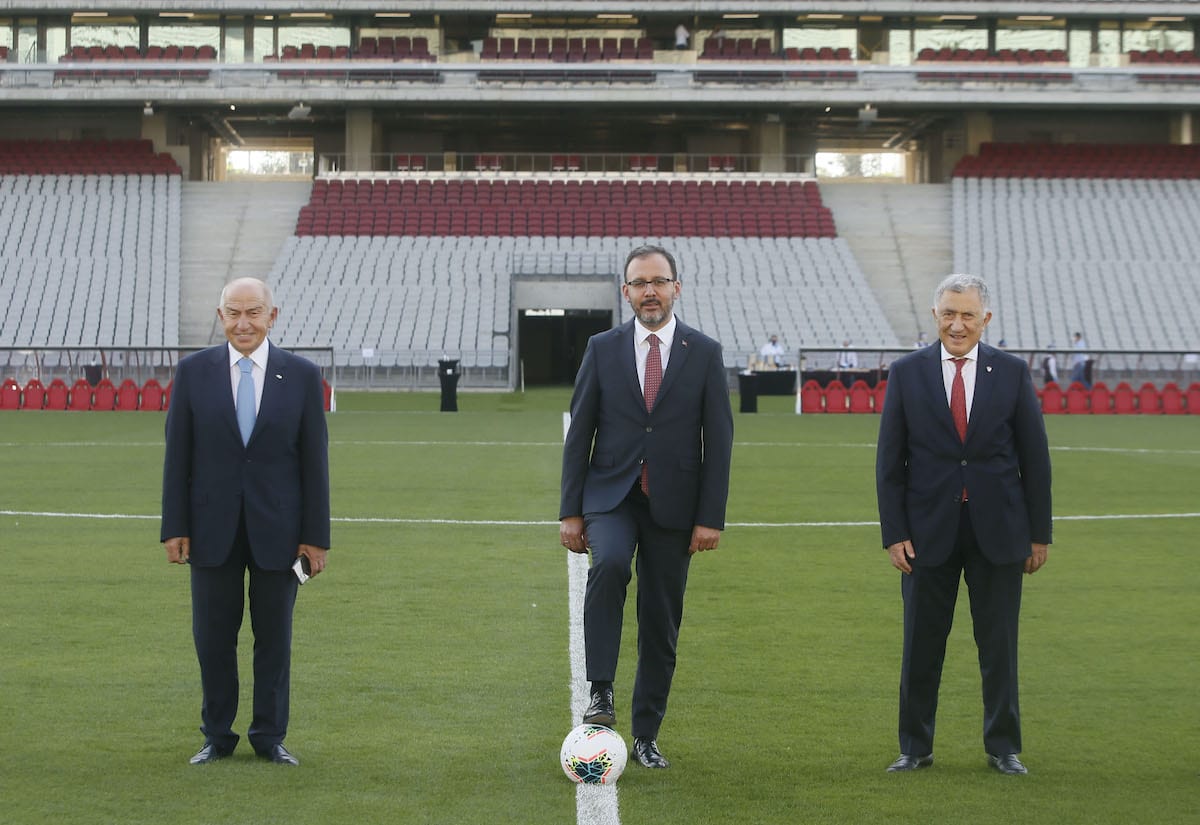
(962, 283)
(268, 296)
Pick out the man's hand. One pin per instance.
(316, 558)
(572, 534)
(901, 554)
(703, 538)
(179, 549)
(1037, 559)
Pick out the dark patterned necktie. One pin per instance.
(650, 390)
(958, 399)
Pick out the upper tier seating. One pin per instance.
(1098, 239)
(91, 55)
(567, 49)
(84, 157)
(566, 207)
(1081, 160)
(88, 258)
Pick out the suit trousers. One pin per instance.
(217, 609)
(929, 595)
(662, 559)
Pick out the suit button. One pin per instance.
(963, 462)
(649, 429)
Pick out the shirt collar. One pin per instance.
(259, 356)
(665, 335)
(973, 355)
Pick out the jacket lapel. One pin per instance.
(272, 396)
(679, 353)
(219, 369)
(984, 384)
(936, 387)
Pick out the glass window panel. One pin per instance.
(56, 42)
(318, 35)
(264, 39)
(184, 34)
(900, 50)
(235, 40)
(6, 31)
(949, 38)
(815, 37)
(103, 32)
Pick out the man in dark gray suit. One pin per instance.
(245, 487)
(646, 473)
(963, 480)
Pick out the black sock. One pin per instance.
(599, 686)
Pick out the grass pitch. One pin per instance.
(430, 679)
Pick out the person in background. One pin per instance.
(1050, 366)
(772, 352)
(682, 35)
(645, 474)
(962, 475)
(1079, 361)
(245, 487)
(847, 358)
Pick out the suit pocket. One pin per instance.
(602, 460)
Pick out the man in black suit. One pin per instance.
(963, 479)
(245, 486)
(646, 473)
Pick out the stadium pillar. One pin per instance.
(360, 139)
(771, 144)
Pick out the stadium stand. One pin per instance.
(91, 251)
(1083, 236)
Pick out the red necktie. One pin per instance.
(958, 399)
(650, 390)
(958, 405)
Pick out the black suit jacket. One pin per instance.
(687, 439)
(281, 477)
(921, 465)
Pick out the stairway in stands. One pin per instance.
(230, 230)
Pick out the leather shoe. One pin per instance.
(1007, 764)
(908, 762)
(647, 753)
(279, 755)
(601, 711)
(208, 753)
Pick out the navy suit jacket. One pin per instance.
(921, 466)
(687, 438)
(280, 478)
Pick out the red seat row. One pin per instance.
(567, 49)
(84, 157)
(1082, 160)
(1121, 400)
(104, 396)
(83, 396)
(835, 397)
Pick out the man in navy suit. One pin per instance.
(245, 486)
(963, 479)
(645, 472)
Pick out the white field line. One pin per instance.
(458, 522)
(594, 804)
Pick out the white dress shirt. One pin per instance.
(968, 374)
(641, 347)
(258, 372)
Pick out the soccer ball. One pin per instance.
(593, 755)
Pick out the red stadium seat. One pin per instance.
(1124, 399)
(104, 397)
(880, 392)
(1193, 398)
(1078, 399)
(34, 395)
(81, 395)
(812, 400)
(1052, 399)
(10, 395)
(1149, 401)
(1101, 399)
(152, 396)
(127, 395)
(57, 395)
(835, 397)
(328, 394)
(860, 397)
(1172, 399)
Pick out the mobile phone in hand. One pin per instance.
(302, 570)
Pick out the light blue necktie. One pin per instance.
(245, 400)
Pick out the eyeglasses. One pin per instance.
(657, 283)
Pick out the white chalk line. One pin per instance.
(457, 522)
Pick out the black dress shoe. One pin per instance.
(647, 753)
(208, 753)
(908, 762)
(1007, 764)
(601, 711)
(279, 755)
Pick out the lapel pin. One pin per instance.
(988, 368)
(280, 377)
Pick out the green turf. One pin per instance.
(431, 679)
